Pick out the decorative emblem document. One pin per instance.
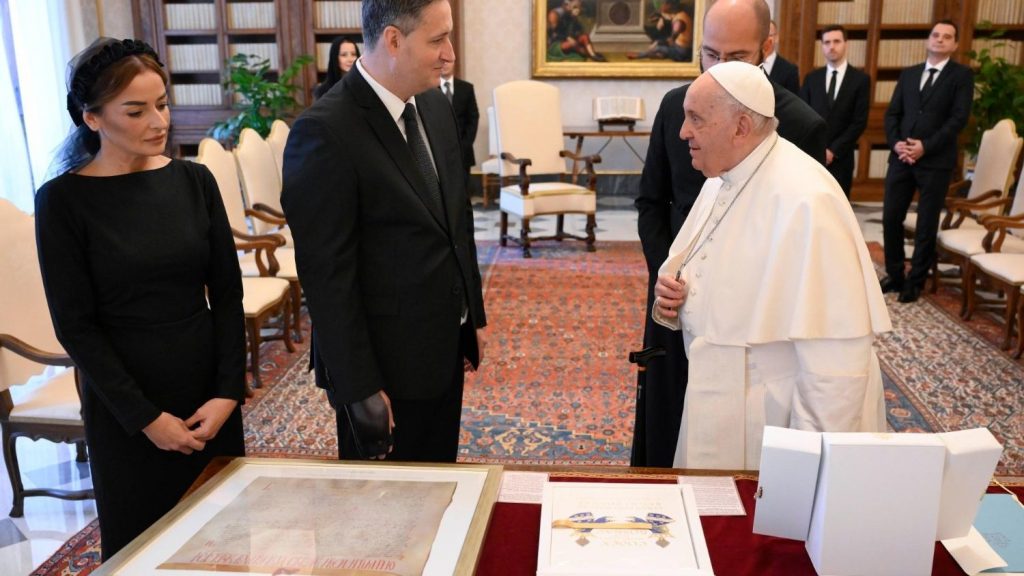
(329, 526)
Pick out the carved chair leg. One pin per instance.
(80, 453)
(11, 458)
(286, 327)
(971, 296)
(965, 279)
(252, 324)
(1020, 332)
(560, 228)
(1012, 298)
(935, 274)
(524, 236)
(296, 293)
(591, 225)
(503, 240)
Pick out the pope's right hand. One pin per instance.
(670, 295)
(168, 432)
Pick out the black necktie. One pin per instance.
(422, 156)
(832, 88)
(448, 90)
(928, 82)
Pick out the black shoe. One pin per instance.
(910, 294)
(890, 284)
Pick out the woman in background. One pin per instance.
(343, 56)
(144, 290)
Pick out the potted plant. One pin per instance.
(998, 91)
(260, 99)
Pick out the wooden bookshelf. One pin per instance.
(887, 36)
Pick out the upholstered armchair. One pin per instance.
(277, 139)
(490, 169)
(530, 143)
(264, 294)
(39, 393)
(998, 271)
(261, 183)
(993, 174)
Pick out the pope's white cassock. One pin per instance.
(781, 310)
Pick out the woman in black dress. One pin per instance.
(144, 289)
(343, 55)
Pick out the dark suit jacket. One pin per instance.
(384, 272)
(786, 74)
(467, 116)
(848, 117)
(937, 120)
(670, 184)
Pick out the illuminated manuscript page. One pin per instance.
(328, 526)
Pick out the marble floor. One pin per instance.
(28, 541)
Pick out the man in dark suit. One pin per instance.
(841, 94)
(376, 197)
(733, 30)
(929, 108)
(467, 116)
(781, 71)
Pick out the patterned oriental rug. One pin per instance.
(555, 386)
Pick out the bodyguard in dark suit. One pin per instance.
(841, 95)
(929, 108)
(467, 116)
(781, 71)
(668, 188)
(376, 197)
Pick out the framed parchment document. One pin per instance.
(599, 529)
(278, 516)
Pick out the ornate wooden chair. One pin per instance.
(39, 395)
(531, 143)
(1000, 271)
(264, 295)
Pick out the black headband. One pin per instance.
(105, 52)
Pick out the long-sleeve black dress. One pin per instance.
(143, 285)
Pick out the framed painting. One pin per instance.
(617, 38)
(282, 516)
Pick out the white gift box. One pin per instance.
(971, 458)
(877, 504)
(786, 482)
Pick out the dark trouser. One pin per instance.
(842, 170)
(426, 430)
(665, 388)
(900, 183)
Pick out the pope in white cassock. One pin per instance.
(769, 281)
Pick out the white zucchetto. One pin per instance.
(746, 83)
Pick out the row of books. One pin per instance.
(884, 90)
(197, 94)
(844, 12)
(856, 54)
(323, 54)
(1001, 11)
(907, 12)
(243, 15)
(900, 53)
(878, 163)
(1009, 50)
(190, 16)
(206, 57)
(338, 14)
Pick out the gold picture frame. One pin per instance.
(617, 38)
(453, 543)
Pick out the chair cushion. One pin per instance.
(1006, 267)
(261, 294)
(548, 198)
(47, 398)
(285, 257)
(967, 242)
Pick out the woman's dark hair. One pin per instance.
(95, 76)
(334, 71)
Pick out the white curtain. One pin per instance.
(45, 34)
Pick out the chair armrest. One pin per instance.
(264, 249)
(26, 350)
(1012, 217)
(963, 208)
(589, 160)
(524, 178)
(997, 227)
(271, 211)
(265, 216)
(277, 239)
